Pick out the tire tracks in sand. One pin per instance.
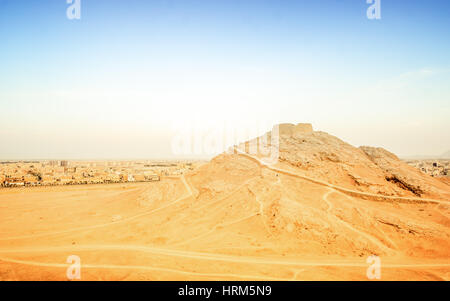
(210, 256)
(127, 219)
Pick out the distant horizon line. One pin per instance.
(108, 159)
(406, 157)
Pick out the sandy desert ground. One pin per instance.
(236, 218)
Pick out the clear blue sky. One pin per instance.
(113, 83)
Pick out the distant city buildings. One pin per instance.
(39, 173)
(434, 168)
(53, 163)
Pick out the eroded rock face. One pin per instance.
(378, 153)
(401, 174)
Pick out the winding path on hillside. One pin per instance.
(372, 196)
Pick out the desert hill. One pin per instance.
(317, 213)
(305, 217)
(374, 170)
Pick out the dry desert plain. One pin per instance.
(316, 214)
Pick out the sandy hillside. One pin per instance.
(317, 214)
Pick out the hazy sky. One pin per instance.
(127, 77)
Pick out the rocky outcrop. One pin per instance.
(400, 173)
